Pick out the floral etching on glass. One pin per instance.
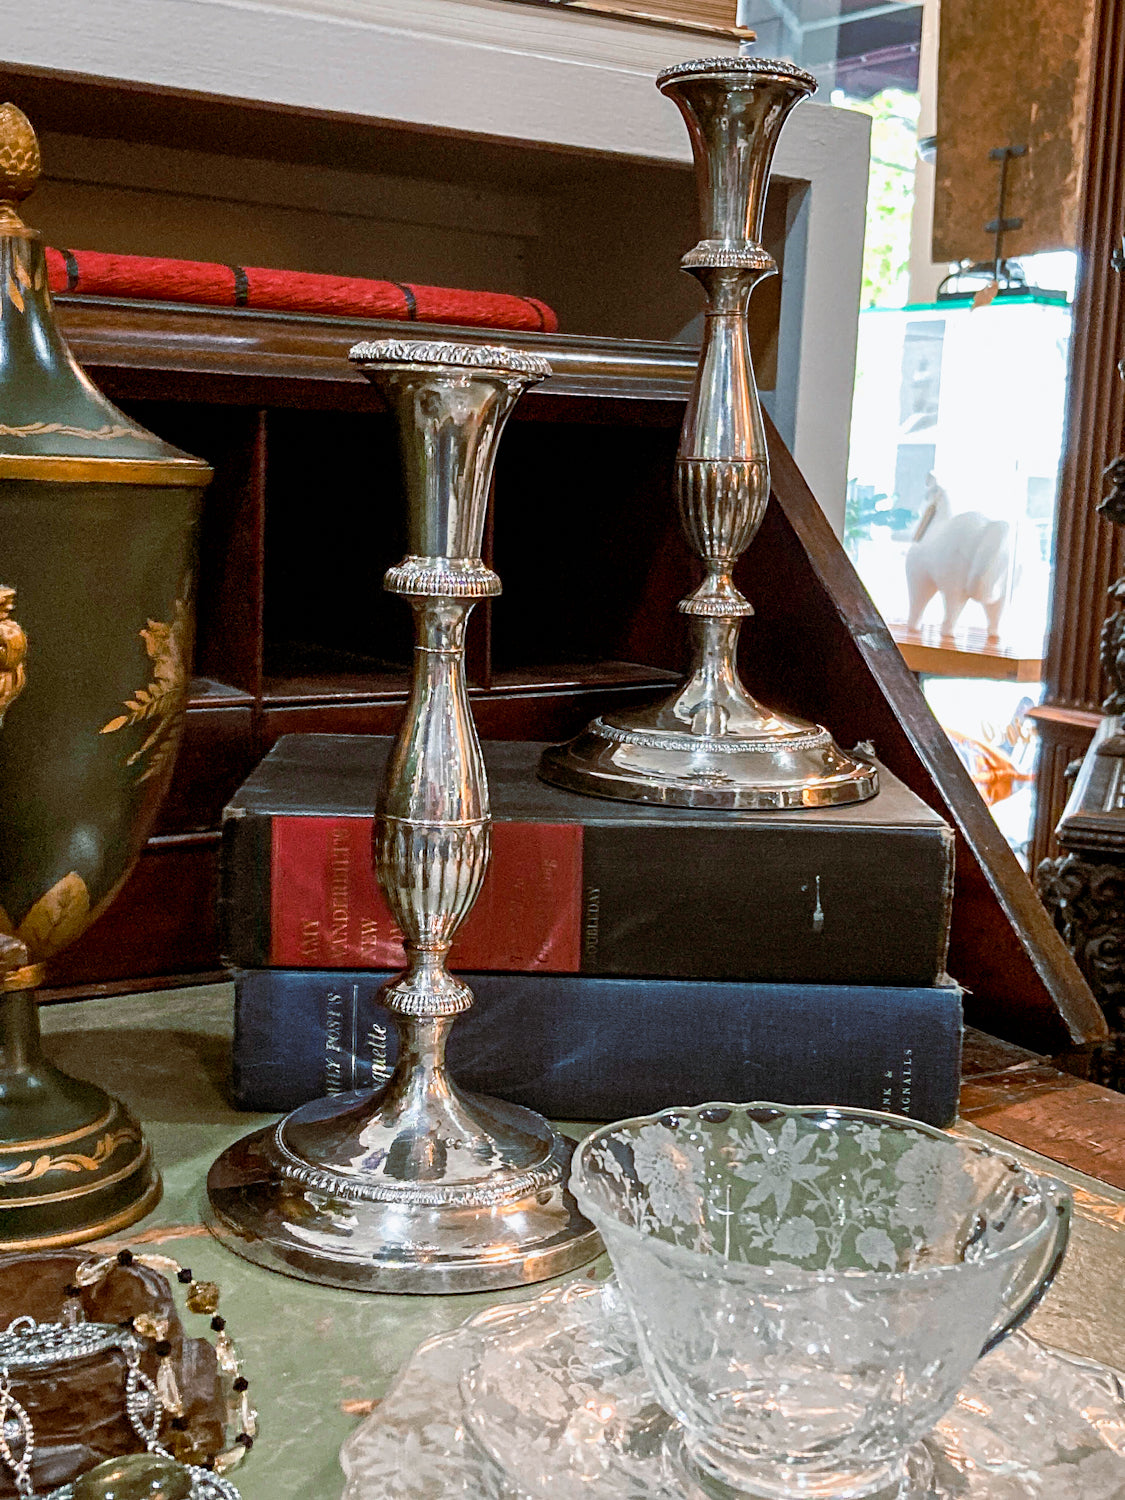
(780, 1182)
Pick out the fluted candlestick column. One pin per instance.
(418, 1187)
(710, 744)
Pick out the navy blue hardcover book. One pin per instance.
(581, 1047)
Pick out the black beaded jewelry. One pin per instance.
(203, 1299)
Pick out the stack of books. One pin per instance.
(624, 957)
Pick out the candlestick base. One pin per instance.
(337, 1193)
(767, 762)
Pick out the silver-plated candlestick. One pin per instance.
(710, 744)
(420, 1188)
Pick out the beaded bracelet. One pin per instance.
(202, 1298)
(28, 1347)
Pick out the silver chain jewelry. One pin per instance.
(141, 1398)
(27, 1347)
(12, 1414)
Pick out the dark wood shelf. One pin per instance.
(392, 687)
(204, 693)
(1083, 720)
(343, 687)
(579, 676)
(247, 357)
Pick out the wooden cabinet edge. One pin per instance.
(107, 333)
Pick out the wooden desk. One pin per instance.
(318, 1357)
(1028, 1102)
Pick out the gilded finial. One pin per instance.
(19, 164)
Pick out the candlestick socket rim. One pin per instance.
(484, 359)
(735, 68)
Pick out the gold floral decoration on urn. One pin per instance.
(71, 1161)
(55, 921)
(164, 699)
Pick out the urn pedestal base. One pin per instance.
(74, 1165)
(308, 1197)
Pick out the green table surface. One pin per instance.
(313, 1353)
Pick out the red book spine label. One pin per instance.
(328, 912)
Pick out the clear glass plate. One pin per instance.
(546, 1400)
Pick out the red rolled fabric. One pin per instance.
(152, 278)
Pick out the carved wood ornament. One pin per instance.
(1089, 554)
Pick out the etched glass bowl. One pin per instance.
(811, 1286)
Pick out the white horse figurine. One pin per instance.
(961, 557)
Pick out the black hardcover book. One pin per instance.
(581, 1048)
(839, 895)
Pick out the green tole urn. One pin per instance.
(98, 522)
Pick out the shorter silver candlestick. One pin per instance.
(420, 1188)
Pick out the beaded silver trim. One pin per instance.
(814, 739)
(767, 66)
(407, 1002)
(143, 1406)
(743, 257)
(715, 609)
(462, 356)
(418, 1195)
(442, 578)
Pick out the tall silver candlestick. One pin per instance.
(420, 1188)
(710, 744)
